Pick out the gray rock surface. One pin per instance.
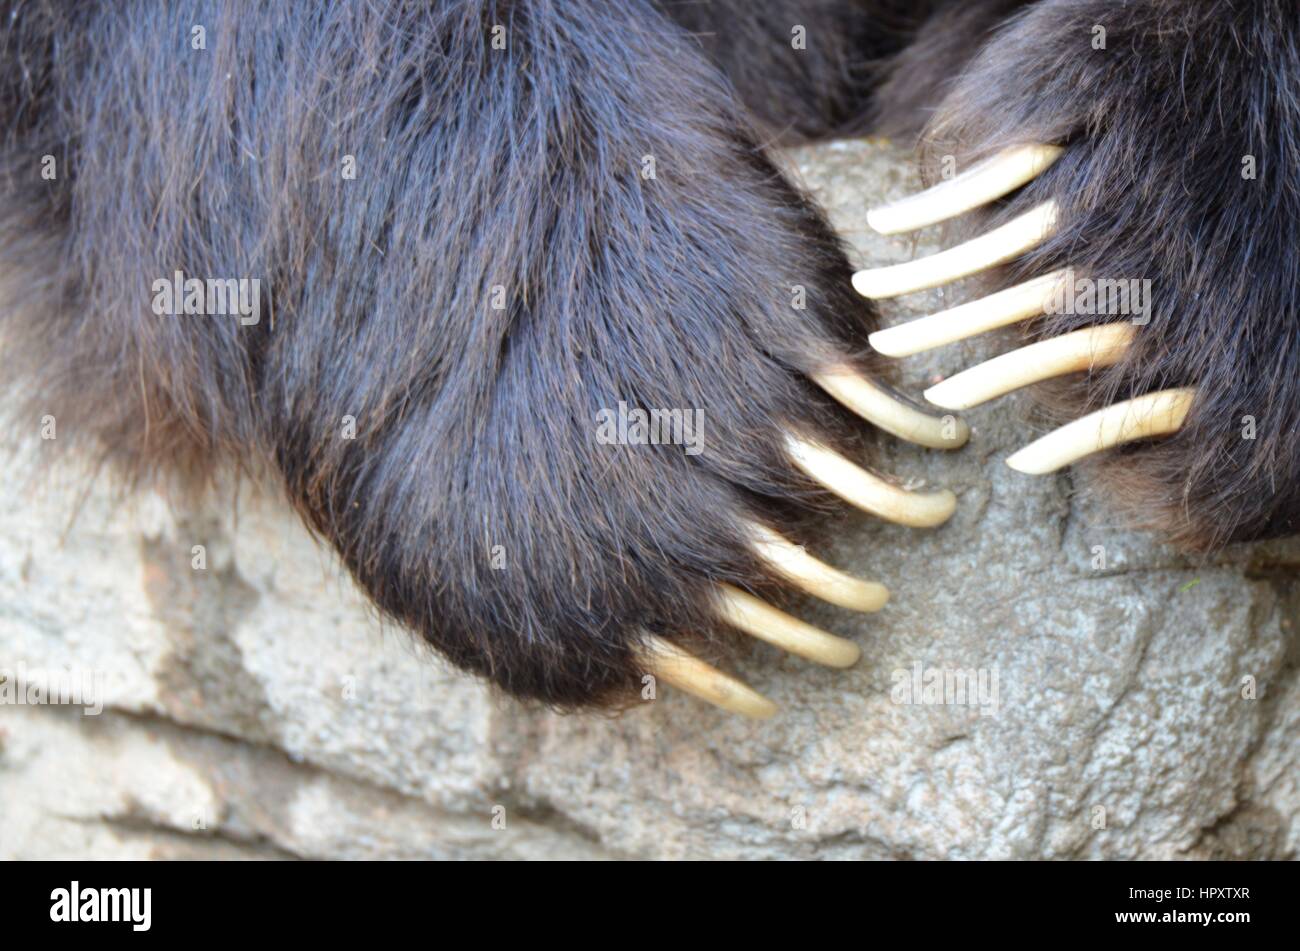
(1144, 706)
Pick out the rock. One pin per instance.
(1125, 701)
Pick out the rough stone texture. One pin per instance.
(256, 708)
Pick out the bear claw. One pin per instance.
(1154, 414)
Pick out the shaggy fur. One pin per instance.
(502, 268)
(483, 176)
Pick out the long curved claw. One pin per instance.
(815, 577)
(1155, 414)
(988, 181)
(998, 246)
(1006, 307)
(877, 405)
(687, 672)
(761, 620)
(1085, 349)
(868, 492)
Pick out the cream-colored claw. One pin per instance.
(1099, 346)
(885, 410)
(817, 578)
(686, 672)
(988, 181)
(1006, 307)
(868, 492)
(1155, 414)
(779, 629)
(988, 250)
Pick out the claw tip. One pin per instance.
(1021, 462)
(938, 395)
(880, 343)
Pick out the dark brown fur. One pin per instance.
(475, 427)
